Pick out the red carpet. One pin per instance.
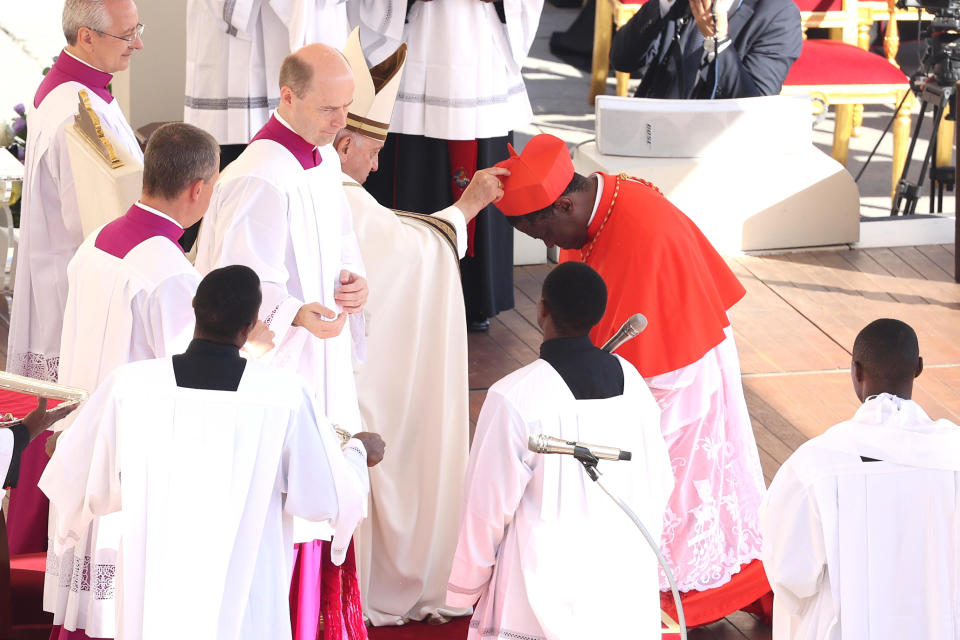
(456, 629)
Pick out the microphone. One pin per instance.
(543, 443)
(633, 327)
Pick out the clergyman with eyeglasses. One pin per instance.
(101, 36)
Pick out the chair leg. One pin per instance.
(602, 37)
(623, 83)
(891, 37)
(945, 142)
(901, 139)
(843, 126)
(857, 126)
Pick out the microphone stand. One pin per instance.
(589, 462)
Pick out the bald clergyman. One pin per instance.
(280, 209)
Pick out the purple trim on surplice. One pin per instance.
(119, 237)
(69, 69)
(307, 154)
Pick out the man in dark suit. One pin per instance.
(690, 49)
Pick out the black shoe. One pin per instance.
(478, 325)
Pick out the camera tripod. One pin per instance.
(939, 99)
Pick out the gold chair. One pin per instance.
(841, 74)
(610, 15)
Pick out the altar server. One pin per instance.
(655, 261)
(129, 299)
(101, 37)
(861, 523)
(209, 455)
(405, 546)
(547, 555)
(460, 99)
(280, 209)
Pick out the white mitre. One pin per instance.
(375, 89)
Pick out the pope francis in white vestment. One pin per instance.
(548, 555)
(861, 525)
(414, 323)
(404, 548)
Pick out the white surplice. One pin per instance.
(549, 556)
(711, 526)
(462, 78)
(863, 549)
(234, 52)
(293, 227)
(118, 310)
(50, 229)
(209, 482)
(414, 323)
(381, 26)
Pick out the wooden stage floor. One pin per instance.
(794, 330)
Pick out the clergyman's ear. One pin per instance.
(196, 189)
(857, 371)
(563, 205)
(342, 146)
(919, 367)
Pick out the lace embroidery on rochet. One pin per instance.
(80, 575)
(35, 365)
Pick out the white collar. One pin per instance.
(596, 203)
(83, 61)
(276, 114)
(158, 213)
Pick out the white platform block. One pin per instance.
(801, 199)
(905, 231)
(527, 250)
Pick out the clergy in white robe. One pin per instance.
(50, 229)
(548, 555)
(860, 525)
(234, 53)
(414, 323)
(280, 209)
(130, 293)
(210, 456)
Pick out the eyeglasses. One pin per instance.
(137, 32)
